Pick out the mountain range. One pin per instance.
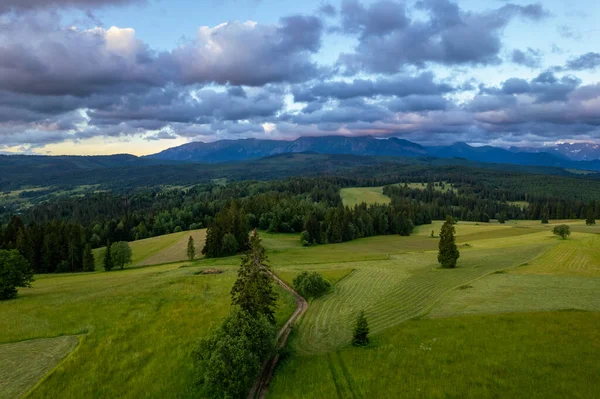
(565, 155)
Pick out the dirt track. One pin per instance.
(261, 386)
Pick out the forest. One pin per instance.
(56, 236)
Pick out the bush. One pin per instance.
(14, 272)
(311, 284)
(305, 238)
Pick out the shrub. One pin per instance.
(311, 284)
(305, 238)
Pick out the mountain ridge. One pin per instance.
(246, 149)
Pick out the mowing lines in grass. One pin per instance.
(25, 362)
(396, 290)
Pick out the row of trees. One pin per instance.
(230, 359)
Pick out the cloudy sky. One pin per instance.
(139, 76)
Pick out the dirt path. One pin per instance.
(261, 386)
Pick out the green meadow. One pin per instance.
(370, 195)
(518, 317)
(168, 248)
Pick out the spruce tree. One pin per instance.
(191, 251)
(545, 215)
(108, 263)
(448, 252)
(253, 290)
(88, 259)
(590, 220)
(360, 335)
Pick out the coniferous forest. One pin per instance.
(54, 236)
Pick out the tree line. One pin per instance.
(58, 236)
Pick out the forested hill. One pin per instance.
(126, 172)
(21, 170)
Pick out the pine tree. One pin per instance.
(108, 263)
(88, 259)
(253, 290)
(360, 335)
(448, 252)
(313, 227)
(191, 251)
(545, 214)
(590, 220)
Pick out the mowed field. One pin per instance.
(517, 318)
(158, 250)
(510, 321)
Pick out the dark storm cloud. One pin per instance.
(389, 40)
(530, 58)
(400, 85)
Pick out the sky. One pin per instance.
(139, 76)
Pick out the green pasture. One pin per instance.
(518, 317)
(136, 329)
(370, 195)
(158, 250)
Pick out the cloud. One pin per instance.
(177, 105)
(587, 61)
(530, 58)
(327, 10)
(37, 56)
(25, 5)
(247, 53)
(400, 85)
(389, 40)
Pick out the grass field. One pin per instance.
(495, 326)
(158, 250)
(530, 355)
(515, 269)
(136, 329)
(24, 363)
(374, 195)
(370, 195)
